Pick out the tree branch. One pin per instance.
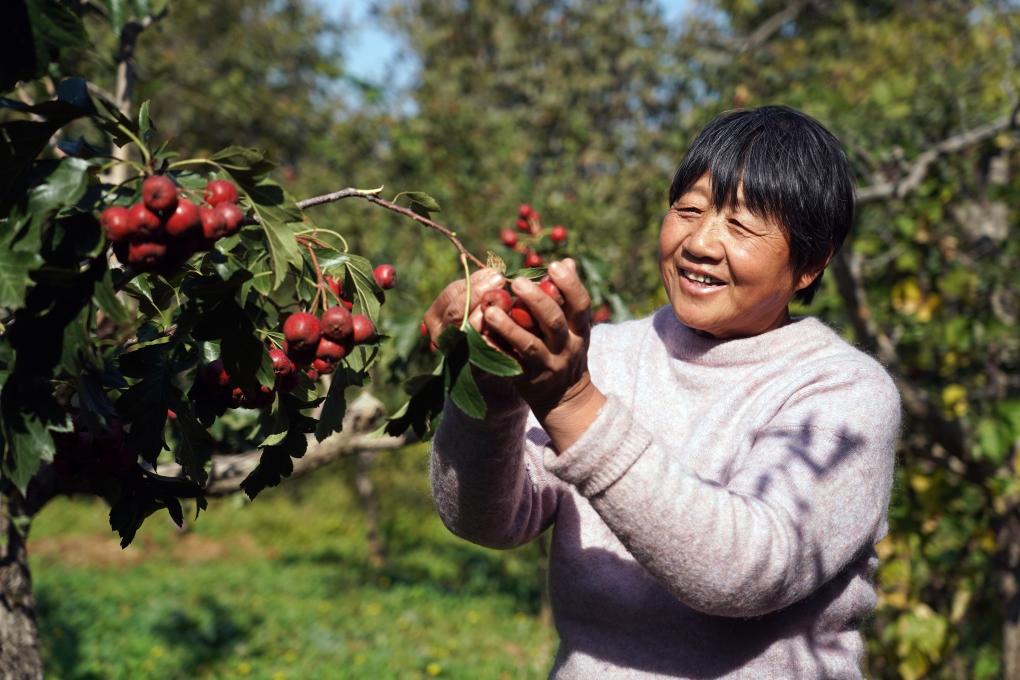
(913, 174)
(770, 26)
(228, 471)
(372, 196)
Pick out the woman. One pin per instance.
(717, 474)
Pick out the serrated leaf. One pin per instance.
(275, 464)
(488, 358)
(331, 417)
(145, 124)
(421, 409)
(195, 445)
(466, 396)
(14, 280)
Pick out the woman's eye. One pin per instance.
(688, 210)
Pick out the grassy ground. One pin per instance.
(282, 588)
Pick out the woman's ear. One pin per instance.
(806, 278)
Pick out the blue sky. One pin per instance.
(373, 55)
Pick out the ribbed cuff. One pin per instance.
(606, 450)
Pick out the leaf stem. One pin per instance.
(315, 230)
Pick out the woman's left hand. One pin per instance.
(555, 383)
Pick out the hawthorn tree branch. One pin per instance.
(912, 174)
(849, 281)
(770, 26)
(356, 436)
(373, 197)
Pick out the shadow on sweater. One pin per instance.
(670, 638)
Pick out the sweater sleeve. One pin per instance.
(810, 495)
(488, 481)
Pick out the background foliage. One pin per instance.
(584, 110)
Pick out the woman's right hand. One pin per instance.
(448, 308)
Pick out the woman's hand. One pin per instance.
(556, 383)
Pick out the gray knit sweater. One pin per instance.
(718, 518)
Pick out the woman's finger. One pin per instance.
(546, 312)
(529, 349)
(448, 307)
(576, 300)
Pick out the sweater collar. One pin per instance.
(683, 343)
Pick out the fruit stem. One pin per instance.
(326, 231)
(321, 284)
(467, 296)
(146, 156)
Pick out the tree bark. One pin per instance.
(1009, 585)
(370, 506)
(20, 658)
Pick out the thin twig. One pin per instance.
(372, 196)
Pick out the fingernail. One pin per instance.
(556, 267)
(495, 280)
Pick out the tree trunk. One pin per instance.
(1009, 586)
(370, 506)
(19, 636)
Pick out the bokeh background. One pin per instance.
(583, 110)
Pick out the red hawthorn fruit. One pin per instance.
(214, 226)
(312, 373)
(184, 220)
(145, 255)
(558, 234)
(302, 331)
(385, 276)
(521, 315)
(237, 398)
(532, 259)
(423, 330)
(171, 414)
(320, 367)
(300, 358)
(331, 352)
(508, 237)
(337, 323)
(602, 314)
(550, 289)
(524, 211)
(159, 193)
(232, 217)
(215, 375)
(116, 223)
(522, 225)
(262, 396)
(142, 222)
(364, 329)
(497, 297)
(282, 365)
(220, 191)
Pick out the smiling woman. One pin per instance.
(716, 475)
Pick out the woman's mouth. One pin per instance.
(699, 279)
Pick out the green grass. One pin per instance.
(283, 588)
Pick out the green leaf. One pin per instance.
(489, 359)
(145, 125)
(331, 416)
(421, 409)
(14, 281)
(37, 31)
(275, 464)
(195, 444)
(466, 396)
(27, 442)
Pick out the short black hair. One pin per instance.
(793, 170)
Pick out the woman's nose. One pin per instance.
(704, 242)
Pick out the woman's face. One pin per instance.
(727, 273)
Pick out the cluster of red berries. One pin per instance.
(163, 230)
(529, 222)
(86, 453)
(219, 386)
(317, 344)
